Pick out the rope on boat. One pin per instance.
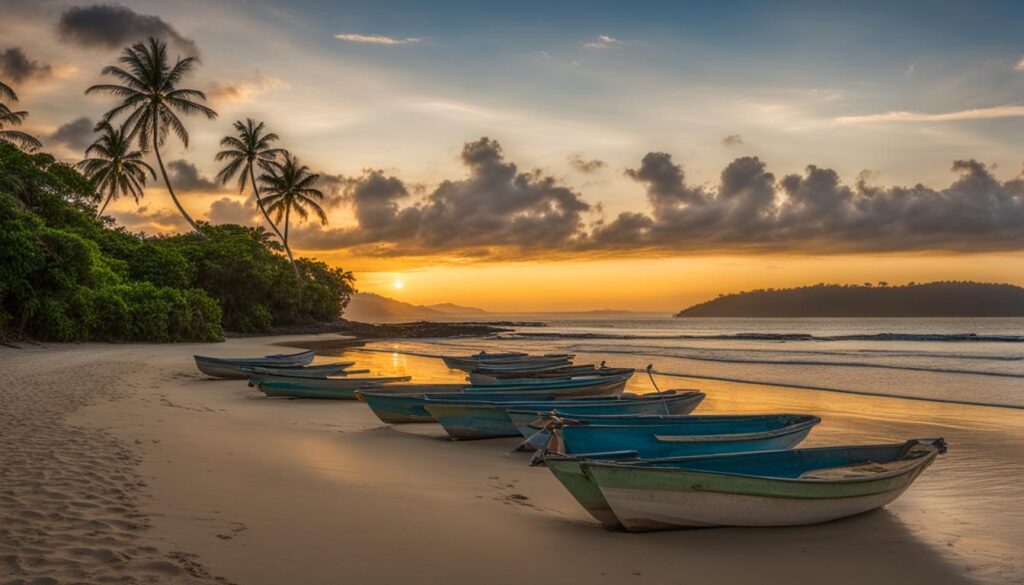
(650, 374)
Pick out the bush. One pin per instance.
(65, 276)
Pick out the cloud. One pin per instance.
(375, 39)
(496, 205)
(17, 67)
(185, 176)
(1020, 65)
(76, 134)
(243, 90)
(150, 222)
(113, 26)
(1006, 111)
(603, 42)
(582, 165)
(815, 212)
(228, 210)
(732, 140)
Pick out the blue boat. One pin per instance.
(580, 386)
(393, 407)
(674, 436)
(485, 420)
(771, 488)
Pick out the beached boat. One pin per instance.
(334, 388)
(396, 408)
(531, 366)
(259, 375)
(676, 436)
(581, 386)
(557, 373)
(505, 361)
(316, 371)
(485, 420)
(232, 367)
(773, 488)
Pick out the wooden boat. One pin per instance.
(676, 436)
(531, 366)
(557, 373)
(582, 386)
(484, 420)
(259, 375)
(396, 408)
(317, 371)
(334, 388)
(772, 488)
(232, 367)
(503, 361)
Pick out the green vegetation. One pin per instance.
(935, 299)
(67, 276)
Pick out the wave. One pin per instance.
(929, 337)
(791, 362)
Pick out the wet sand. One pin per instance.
(124, 464)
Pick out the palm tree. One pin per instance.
(288, 187)
(152, 101)
(22, 140)
(113, 167)
(251, 146)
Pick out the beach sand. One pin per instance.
(121, 463)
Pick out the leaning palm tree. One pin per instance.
(8, 118)
(251, 146)
(289, 186)
(152, 100)
(113, 167)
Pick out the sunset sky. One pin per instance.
(585, 155)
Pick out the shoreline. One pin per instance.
(261, 490)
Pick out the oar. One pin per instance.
(650, 369)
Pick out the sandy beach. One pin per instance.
(122, 463)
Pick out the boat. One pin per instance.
(505, 361)
(557, 373)
(485, 420)
(334, 388)
(531, 366)
(393, 407)
(652, 436)
(771, 488)
(581, 386)
(232, 367)
(452, 360)
(258, 375)
(315, 371)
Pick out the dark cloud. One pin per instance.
(16, 67)
(496, 205)
(113, 26)
(732, 140)
(76, 134)
(816, 212)
(185, 176)
(228, 210)
(585, 166)
(150, 222)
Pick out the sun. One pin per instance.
(399, 284)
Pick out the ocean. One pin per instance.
(969, 360)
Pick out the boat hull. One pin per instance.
(711, 436)
(774, 488)
(484, 421)
(231, 368)
(338, 389)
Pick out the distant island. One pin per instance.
(934, 299)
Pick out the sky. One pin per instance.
(583, 155)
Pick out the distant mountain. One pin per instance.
(452, 309)
(374, 308)
(936, 299)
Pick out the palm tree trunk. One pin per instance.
(105, 202)
(163, 171)
(288, 249)
(259, 202)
